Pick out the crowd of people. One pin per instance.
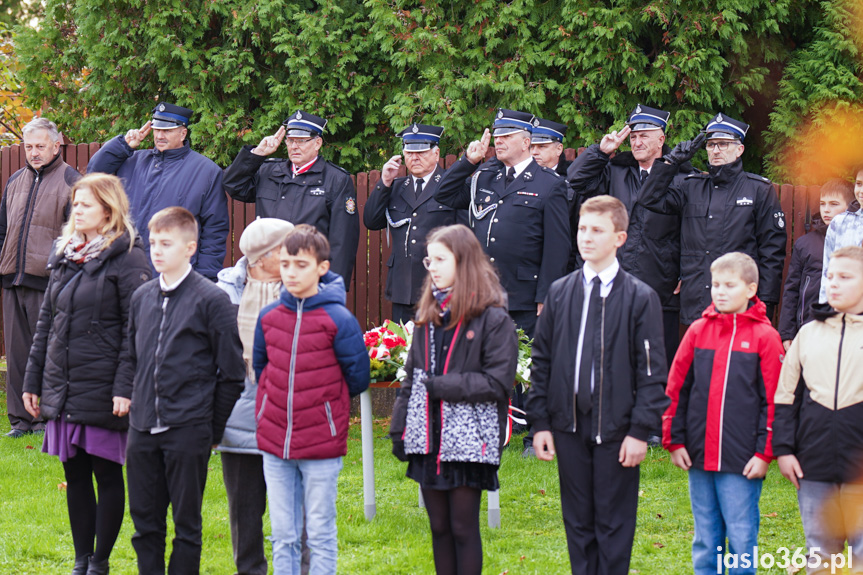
(128, 344)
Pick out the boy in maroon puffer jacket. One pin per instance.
(310, 358)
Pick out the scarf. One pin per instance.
(443, 297)
(256, 295)
(81, 252)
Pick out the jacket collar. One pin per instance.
(726, 173)
(117, 246)
(175, 154)
(527, 175)
(331, 289)
(47, 168)
(429, 188)
(756, 312)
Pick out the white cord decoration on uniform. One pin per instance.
(477, 213)
(517, 419)
(398, 224)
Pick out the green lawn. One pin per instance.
(35, 538)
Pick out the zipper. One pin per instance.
(724, 390)
(647, 353)
(288, 431)
(330, 418)
(158, 350)
(261, 411)
(839, 367)
(601, 371)
(25, 224)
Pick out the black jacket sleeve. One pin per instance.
(135, 272)
(536, 404)
(344, 230)
(772, 236)
(400, 407)
(110, 157)
(587, 174)
(240, 179)
(228, 351)
(454, 188)
(651, 369)
(556, 240)
(788, 325)
(375, 211)
(661, 192)
(36, 361)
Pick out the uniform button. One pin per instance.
(709, 217)
(707, 252)
(283, 197)
(491, 259)
(706, 287)
(715, 187)
(534, 277)
(415, 227)
(495, 220)
(492, 239)
(500, 202)
(414, 214)
(440, 207)
(413, 241)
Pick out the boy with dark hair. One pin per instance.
(846, 229)
(803, 282)
(819, 417)
(189, 371)
(718, 426)
(309, 359)
(600, 424)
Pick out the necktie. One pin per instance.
(589, 355)
(642, 175)
(510, 176)
(419, 187)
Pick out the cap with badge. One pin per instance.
(645, 118)
(304, 125)
(168, 116)
(722, 127)
(420, 137)
(510, 121)
(547, 132)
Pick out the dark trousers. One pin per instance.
(247, 501)
(168, 467)
(20, 312)
(599, 500)
(402, 313)
(671, 331)
(525, 320)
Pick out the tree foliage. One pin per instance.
(372, 67)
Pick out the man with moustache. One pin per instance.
(724, 210)
(171, 174)
(652, 249)
(407, 208)
(34, 206)
(305, 189)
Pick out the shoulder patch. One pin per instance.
(351, 206)
(779, 220)
(758, 178)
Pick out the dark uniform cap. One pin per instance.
(304, 125)
(510, 121)
(546, 131)
(724, 128)
(168, 116)
(646, 118)
(420, 137)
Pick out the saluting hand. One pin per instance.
(391, 170)
(477, 149)
(135, 137)
(610, 142)
(270, 144)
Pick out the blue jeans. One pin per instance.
(293, 484)
(723, 505)
(832, 513)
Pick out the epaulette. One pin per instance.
(758, 178)
(696, 175)
(341, 169)
(492, 164)
(274, 160)
(549, 171)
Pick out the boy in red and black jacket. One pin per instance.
(718, 426)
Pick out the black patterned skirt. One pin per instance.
(424, 470)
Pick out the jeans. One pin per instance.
(247, 502)
(723, 505)
(832, 513)
(293, 484)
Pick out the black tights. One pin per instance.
(91, 521)
(454, 518)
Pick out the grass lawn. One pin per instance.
(35, 537)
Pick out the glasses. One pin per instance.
(299, 142)
(429, 263)
(721, 146)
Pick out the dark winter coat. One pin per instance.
(721, 387)
(525, 231)
(80, 356)
(472, 394)
(156, 180)
(652, 249)
(310, 359)
(803, 282)
(415, 218)
(628, 395)
(34, 207)
(186, 351)
(725, 210)
(323, 196)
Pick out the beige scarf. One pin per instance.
(256, 296)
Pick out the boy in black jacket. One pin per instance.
(598, 374)
(189, 371)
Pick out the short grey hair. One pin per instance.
(42, 124)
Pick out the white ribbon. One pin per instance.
(477, 213)
(398, 224)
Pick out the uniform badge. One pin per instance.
(779, 220)
(528, 176)
(415, 129)
(487, 199)
(536, 123)
(299, 115)
(499, 114)
(719, 118)
(351, 206)
(161, 107)
(499, 176)
(744, 201)
(318, 192)
(638, 109)
(437, 178)
(407, 181)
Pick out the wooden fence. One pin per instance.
(366, 296)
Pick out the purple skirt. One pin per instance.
(64, 439)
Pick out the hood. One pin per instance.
(331, 290)
(756, 312)
(236, 275)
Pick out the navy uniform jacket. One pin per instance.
(156, 180)
(416, 217)
(323, 196)
(527, 235)
(724, 210)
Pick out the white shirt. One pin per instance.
(606, 279)
(521, 166)
(425, 179)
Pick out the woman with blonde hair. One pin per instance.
(79, 376)
(449, 419)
